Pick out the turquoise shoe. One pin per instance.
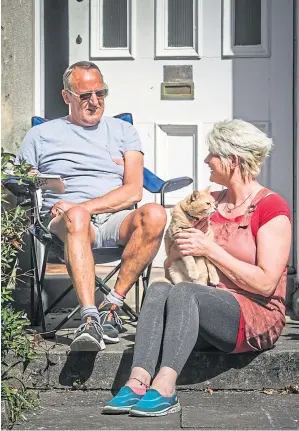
(153, 404)
(122, 402)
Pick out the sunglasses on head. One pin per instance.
(100, 94)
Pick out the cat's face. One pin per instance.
(200, 204)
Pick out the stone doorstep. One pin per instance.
(57, 367)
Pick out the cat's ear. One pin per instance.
(194, 196)
(208, 189)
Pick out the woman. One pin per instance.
(245, 312)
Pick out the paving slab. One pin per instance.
(57, 367)
(81, 410)
(239, 410)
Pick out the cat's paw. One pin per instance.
(203, 281)
(214, 281)
(193, 275)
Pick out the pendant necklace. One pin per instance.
(229, 210)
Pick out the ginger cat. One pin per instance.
(198, 206)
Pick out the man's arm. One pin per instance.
(126, 195)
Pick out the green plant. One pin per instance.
(16, 346)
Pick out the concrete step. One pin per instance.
(57, 367)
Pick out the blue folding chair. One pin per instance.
(28, 190)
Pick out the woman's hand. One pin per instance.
(192, 242)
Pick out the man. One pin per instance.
(101, 162)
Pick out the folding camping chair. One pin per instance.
(28, 190)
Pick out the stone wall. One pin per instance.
(17, 60)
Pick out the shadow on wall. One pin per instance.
(56, 57)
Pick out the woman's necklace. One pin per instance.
(229, 210)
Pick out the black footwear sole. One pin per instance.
(107, 410)
(86, 343)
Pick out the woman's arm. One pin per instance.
(273, 248)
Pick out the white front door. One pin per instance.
(181, 65)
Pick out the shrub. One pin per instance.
(16, 346)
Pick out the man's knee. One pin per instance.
(153, 217)
(77, 220)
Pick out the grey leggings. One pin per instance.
(177, 318)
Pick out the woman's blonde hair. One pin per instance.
(243, 140)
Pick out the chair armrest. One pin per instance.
(176, 184)
(154, 184)
(26, 189)
(18, 186)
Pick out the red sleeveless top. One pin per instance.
(264, 318)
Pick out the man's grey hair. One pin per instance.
(243, 140)
(80, 65)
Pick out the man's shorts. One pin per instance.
(106, 227)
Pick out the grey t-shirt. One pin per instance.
(89, 159)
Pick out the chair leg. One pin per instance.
(57, 300)
(32, 290)
(101, 284)
(39, 307)
(111, 274)
(137, 296)
(145, 281)
(67, 318)
(39, 280)
(103, 287)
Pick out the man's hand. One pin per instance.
(61, 207)
(193, 242)
(33, 172)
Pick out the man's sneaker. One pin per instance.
(110, 321)
(122, 402)
(88, 337)
(153, 404)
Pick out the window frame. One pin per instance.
(162, 50)
(228, 33)
(97, 50)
